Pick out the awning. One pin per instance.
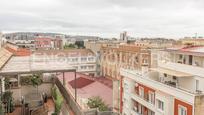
(171, 72)
(27, 65)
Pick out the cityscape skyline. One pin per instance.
(104, 18)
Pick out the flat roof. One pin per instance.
(26, 64)
(88, 90)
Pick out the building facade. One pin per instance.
(175, 87)
(48, 43)
(192, 41)
(123, 56)
(83, 60)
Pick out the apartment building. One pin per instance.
(192, 41)
(96, 47)
(155, 42)
(123, 36)
(175, 87)
(83, 60)
(48, 43)
(123, 56)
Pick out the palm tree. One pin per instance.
(36, 81)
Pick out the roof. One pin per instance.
(171, 72)
(67, 52)
(26, 64)
(81, 82)
(89, 87)
(189, 50)
(5, 55)
(19, 51)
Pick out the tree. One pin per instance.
(1, 109)
(36, 81)
(70, 46)
(80, 44)
(8, 101)
(97, 102)
(58, 100)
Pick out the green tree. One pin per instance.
(36, 81)
(80, 44)
(7, 85)
(58, 100)
(1, 109)
(8, 100)
(97, 102)
(70, 46)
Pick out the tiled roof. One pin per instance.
(5, 55)
(190, 50)
(19, 51)
(23, 52)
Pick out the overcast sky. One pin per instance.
(105, 18)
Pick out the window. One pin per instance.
(83, 67)
(83, 59)
(141, 91)
(125, 86)
(182, 110)
(90, 58)
(151, 97)
(91, 67)
(197, 85)
(160, 105)
(140, 109)
(150, 112)
(180, 56)
(74, 59)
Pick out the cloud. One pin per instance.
(168, 18)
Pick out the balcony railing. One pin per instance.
(134, 112)
(154, 83)
(190, 69)
(145, 98)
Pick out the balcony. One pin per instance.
(145, 98)
(143, 101)
(155, 83)
(190, 69)
(133, 112)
